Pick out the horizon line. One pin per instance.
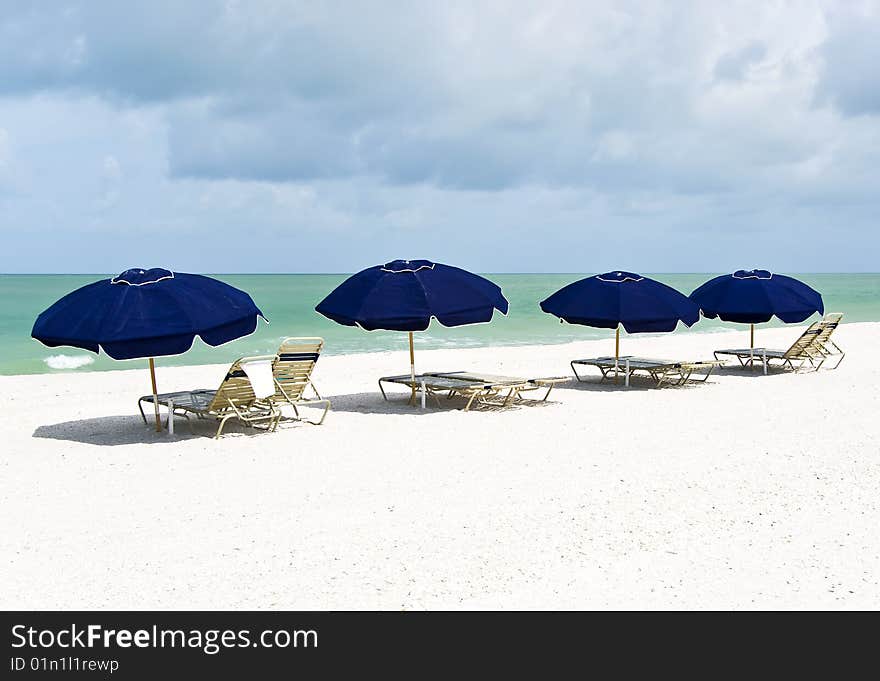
(285, 274)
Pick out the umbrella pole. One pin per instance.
(752, 347)
(155, 395)
(616, 349)
(412, 368)
(617, 343)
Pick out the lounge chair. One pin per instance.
(663, 372)
(236, 398)
(813, 347)
(292, 370)
(484, 389)
(523, 384)
(825, 345)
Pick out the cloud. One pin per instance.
(4, 147)
(735, 65)
(405, 126)
(111, 177)
(850, 79)
(460, 95)
(5, 161)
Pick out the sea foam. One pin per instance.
(68, 361)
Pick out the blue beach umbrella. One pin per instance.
(615, 299)
(754, 296)
(405, 295)
(148, 313)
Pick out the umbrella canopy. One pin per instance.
(148, 313)
(754, 296)
(609, 300)
(403, 295)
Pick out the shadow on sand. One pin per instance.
(637, 383)
(640, 382)
(398, 403)
(110, 431)
(598, 385)
(758, 371)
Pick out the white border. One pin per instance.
(619, 281)
(117, 280)
(753, 276)
(423, 267)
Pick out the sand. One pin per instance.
(750, 491)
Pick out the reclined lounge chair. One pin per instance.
(482, 389)
(813, 347)
(825, 345)
(236, 398)
(292, 370)
(663, 372)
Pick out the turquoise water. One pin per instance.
(289, 300)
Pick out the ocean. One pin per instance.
(288, 300)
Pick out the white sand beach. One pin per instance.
(749, 491)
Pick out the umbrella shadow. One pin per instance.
(374, 403)
(398, 403)
(111, 431)
(636, 384)
(739, 371)
(594, 383)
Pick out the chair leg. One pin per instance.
(842, 355)
(223, 423)
(323, 414)
(470, 401)
(315, 390)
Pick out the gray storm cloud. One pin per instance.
(656, 117)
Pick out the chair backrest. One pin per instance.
(832, 318)
(294, 364)
(827, 325)
(236, 388)
(806, 344)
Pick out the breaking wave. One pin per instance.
(68, 361)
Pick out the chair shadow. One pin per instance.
(636, 384)
(596, 384)
(112, 431)
(758, 371)
(374, 403)
(398, 403)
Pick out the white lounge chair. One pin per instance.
(662, 371)
(814, 346)
(476, 388)
(292, 369)
(234, 399)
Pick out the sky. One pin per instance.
(550, 136)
